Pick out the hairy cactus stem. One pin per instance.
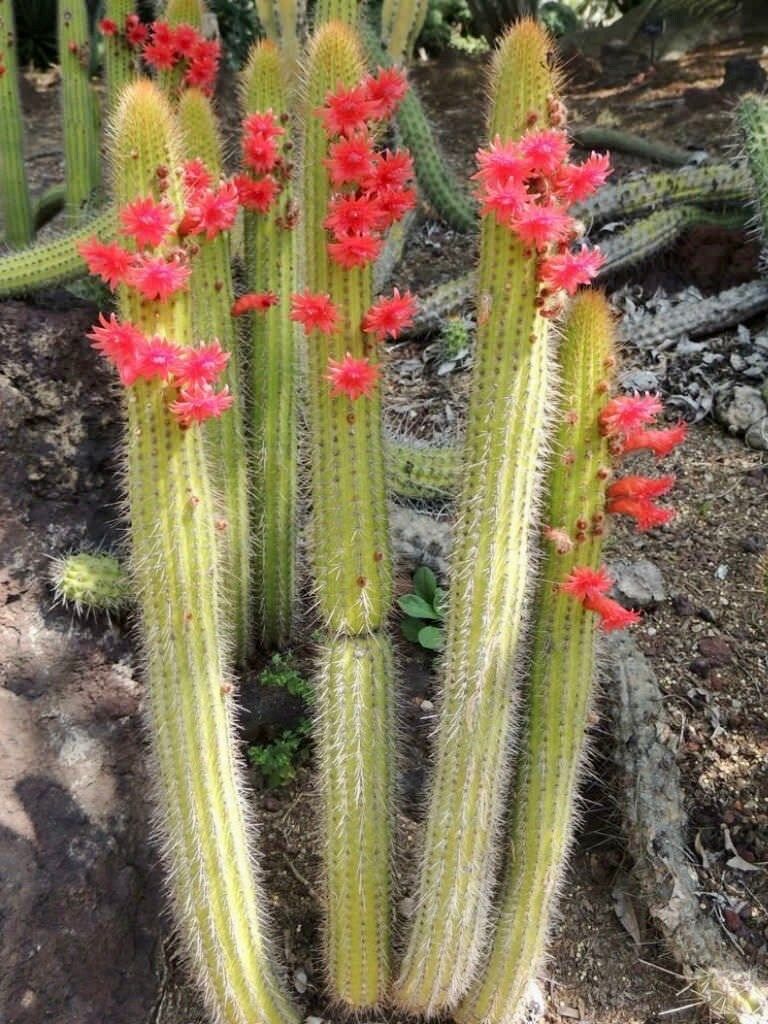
(422, 472)
(218, 896)
(14, 191)
(80, 114)
(491, 562)
(401, 23)
(119, 60)
(562, 669)
(90, 581)
(752, 119)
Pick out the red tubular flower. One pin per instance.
(146, 221)
(502, 164)
(135, 30)
(388, 317)
(199, 402)
(351, 160)
(156, 277)
(200, 365)
(629, 413)
(107, 27)
(160, 55)
(196, 175)
(590, 587)
(315, 312)
(390, 170)
(348, 213)
(642, 510)
(162, 33)
(660, 442)
(545, 150)
(541, 225)
(355, 250)
(106, 260)
(569, 270)
(505, 201)
(354, 378)
(258, 302)
(384, 91)
(612, 614)
(575, 182)
(263, 123)
(641, 486)
(256, 194)
(211, 211)
(346, 111)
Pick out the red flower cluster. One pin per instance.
(625, 422)
(165, 47)
(590, 587)
(261, 155)
(528, 185)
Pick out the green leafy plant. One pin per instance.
(279, 760)
(424, 611)
(283, 671)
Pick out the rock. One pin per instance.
(683, 606)
(639, 380)
(752, 545)
(745, 407)
(638, 584)
(743, 74)
(757, 435)
(716, 650)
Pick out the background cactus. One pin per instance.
(421, 471)
(14, 191)
(119, 61)
(401, 23)
(91, 582)
(79, 111)
(752, 122)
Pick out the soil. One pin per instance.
(75, 861)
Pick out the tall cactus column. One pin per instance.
(80, 117)
(218, 897)
(14, 192)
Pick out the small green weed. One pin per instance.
(282, 671)
(279, 760)
(424, 611)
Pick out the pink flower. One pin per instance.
(315, 312)
(107, 27)
(569, 270)
(203, 64)
(196, 175)
(256, 194)
(259, 151)
(155, 359)
(641, 486)
(348, 213)
(199, 402)
(354, 250)
(575, 182)
(351, 160)
(200, 365)
(541, 225)
(106, 260)
(503, 164)
(390, 170)
(393, 204)
(185, 38)
(156, 277)
(346, 111)
(628, 413)
(258, 302)
(263, 123)
(590, 587)
(505, 201)
(160, 55)
(146, 221)
(388, 317)
(211, 211)
(135, 30)
(660, 442)
(384, 91)
(352, 377)
(545, 150)
(118, 341)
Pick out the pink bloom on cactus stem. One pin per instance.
(211, 211)
(135, 30)
(196, 175)
(385, 90)
(642, 510)
(661, 442)
(388, 317)
(545, 150)
(569, 270)
(158, 278)
(503, 164)
(315, 312)
(256, 194)
(393, 204)
(263, 123)
(575, 182)
(107, 27)
(390, 170)
(346, 111)
(590, 587)
(199, 402)
(641, 486)
(628, 413)
(355, 249)
(258, 302)
(147, 221)
(184, 37)
(505, 201)
(106, 260)
(352, 213)
(116, 340)
(156, 358)
(259, 151)
(351, 377)
(351, 160)
(541, 225)
(159, 55)
(200, 365)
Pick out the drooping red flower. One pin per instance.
(541, 224)
(629, 413)
(135, 30)
(256, 194)
(612, 614)
(118, 340)
(569, 270)
(390, 170)
(315, 312)
(199, 365)
(661, 442)
(348, 213)
(354, 378)
(641, 486)
(199, 402)
(642, 510)
(355, 249)
(384, 91)
(590, 587)
(346, 111)
(107, 27)
(575, 182)
(107, 260)
(388, 317)
(392, 204)
(211, 211)
(258, 302)
(351, 160)
(545, 150)
(146, 221)
(158, 277)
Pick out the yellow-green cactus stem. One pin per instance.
(401, 23)
(556, 707)
(491, 564)
(268, 19)
(291, 19)
(14, 191)
(212, 295)
(91, 582)
(346, 11)
(351, 559)
(201, 809)
(270, 266)
(119, 60)
(80, 114)
(422, 472)
(752, 119)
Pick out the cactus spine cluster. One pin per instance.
(421, 471)
(752, 120)
(270, 267)
(493, 548)
(90, 582)
(80, 116)
(14, 191)
(562, 669)
(218, 898)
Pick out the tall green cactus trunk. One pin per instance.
(562, 673)
(270, 266)
(491, 565)
(80, 115)
(353, 580)
(119, 61)
(14, 191)
(401, 23)
(219, 902)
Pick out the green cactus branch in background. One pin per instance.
(79, 109)
(421, 471)
(752, 122)
(401, 23)
(91, 582)
(14, 191)
(119, 61)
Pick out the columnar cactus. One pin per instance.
(401, 23)
(421, 471)
(524, 268)
(752, 120)
(271, 234)
(219, 903)
(80, 115)
(14, 191)
(119, 59)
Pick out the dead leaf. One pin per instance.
(624, 908)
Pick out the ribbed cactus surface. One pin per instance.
(79, 110)
(752, 119)
(14, 191)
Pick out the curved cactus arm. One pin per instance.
(14, 191)
(562, 670)
(218, 896)
(752, 120)
(491, 564)
(80, 114)
(270, 267)
(598, 137)
(119, 59)
(420, 471)
(212, 295)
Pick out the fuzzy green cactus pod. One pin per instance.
(91, 582)
(14, 191)
(562, 670)
(80, 114)
(176, 567)
(271, 268)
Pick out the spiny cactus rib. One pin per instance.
(218, 897)
(752, 119)
(80, 113)
(392, 251)
(401, 23)
(352, 567)
(493, 549)
(346, 11)
(415, 471)
(597, 137)
(270, 267)
(119, 61)
(54, 262)
(435, 178)
(90, 582)
(14, 191)
(48, 205)
(712, 183)
(268, 19)
(212, 295)
(290, 16)
(558, 695)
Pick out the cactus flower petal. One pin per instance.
(355, 378)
